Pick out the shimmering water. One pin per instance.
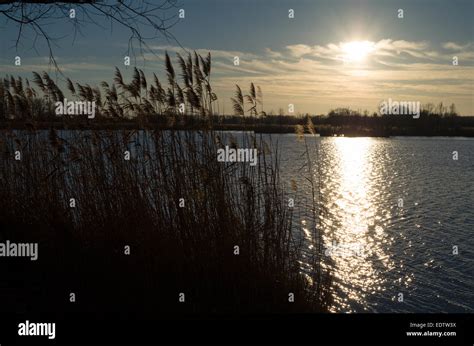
(392, 210)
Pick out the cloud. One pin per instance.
(315, 77)
(456, 46)
(383, 48)
(299, 50)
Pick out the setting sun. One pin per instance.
(357, 51)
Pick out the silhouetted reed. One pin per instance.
(19, 99)
(180, 210)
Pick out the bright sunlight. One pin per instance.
(357, 51)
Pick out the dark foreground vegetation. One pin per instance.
(179, 212)
(174, 247)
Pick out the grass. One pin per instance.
(136, 203)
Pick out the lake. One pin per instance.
(396, 216)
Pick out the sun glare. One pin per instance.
(357, 51)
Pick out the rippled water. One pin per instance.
(391, 211)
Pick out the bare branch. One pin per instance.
(136, 16)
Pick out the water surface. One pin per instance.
(393, 209)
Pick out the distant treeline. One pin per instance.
(187, 101)
(333, 124)
(352, 123)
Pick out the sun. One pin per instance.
(357, 51)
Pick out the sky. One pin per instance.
(332, 54)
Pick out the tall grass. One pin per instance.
(138, 98)
(180, 211)
(136, 203)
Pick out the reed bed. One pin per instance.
(138, 203)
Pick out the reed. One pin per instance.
(119, 99)
(174, 247)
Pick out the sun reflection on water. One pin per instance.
(354, 239)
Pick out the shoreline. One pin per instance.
(323, 131)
